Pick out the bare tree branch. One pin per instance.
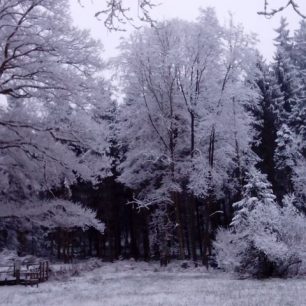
(116, 14)
(271, 12)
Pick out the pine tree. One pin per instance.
(257, 191)
(289, 94)
(299, 48)
(265, 123)
(285, 73)
(298, 118)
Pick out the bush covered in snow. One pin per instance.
(265, 239)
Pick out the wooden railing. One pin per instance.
(27, 274)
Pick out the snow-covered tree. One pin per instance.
(52, 214)
(42, 54)
(236, 247)
(299, 39)
(185, 82)
(299, 111)
(288, 105)
(285, 73)
(265, 124)
(51, 127)
(154, 117)
(222, 150)
(256, 192)
(264, 238)
(28, 226)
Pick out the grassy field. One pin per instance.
(141, 284)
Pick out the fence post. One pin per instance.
(47, 269)
(40, 271)
(17, 267)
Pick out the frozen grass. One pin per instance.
(141, 284)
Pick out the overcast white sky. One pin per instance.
(244, 11)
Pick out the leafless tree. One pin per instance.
(270, 12)
(117, 13)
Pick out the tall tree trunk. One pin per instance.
(199, 228)
(207, 235)
(146, 242)
(133, 243)
(179, 227)
(208, 208)
(192, 231)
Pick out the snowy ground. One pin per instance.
(140, 284)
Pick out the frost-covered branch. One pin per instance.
(117, 13)
(270, 12)
(52, 214)
(50, 76)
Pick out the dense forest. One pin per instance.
(202, 159)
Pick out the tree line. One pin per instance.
(203, 160)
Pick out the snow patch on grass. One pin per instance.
(129, 283)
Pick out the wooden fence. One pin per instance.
(26, 274)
